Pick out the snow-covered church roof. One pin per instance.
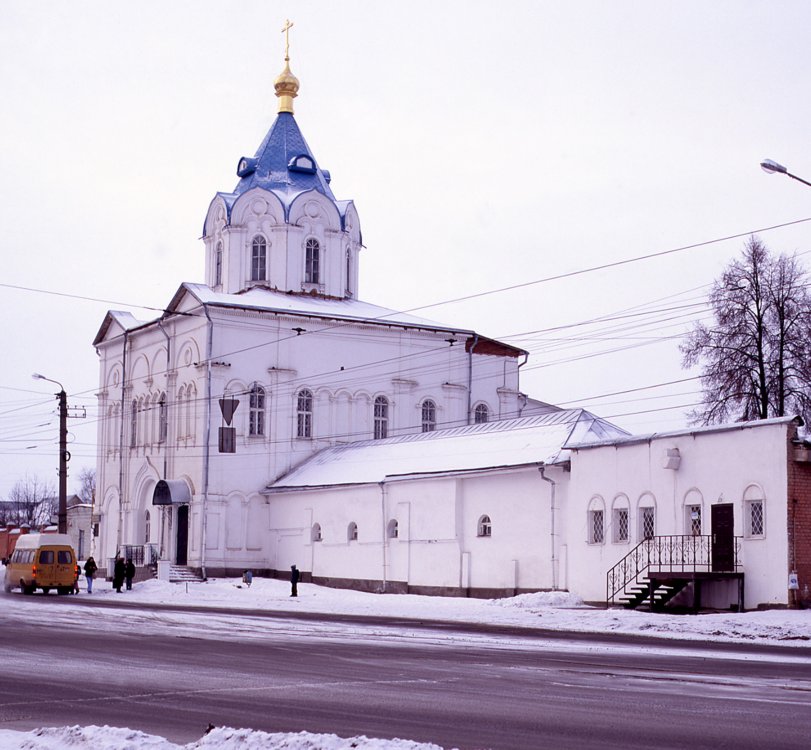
(509, 443)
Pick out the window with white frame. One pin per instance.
(312, 261)
(256, 412)
(352, 532)
(381, 418)
(754, 512)
(596, 526)
(316, 532)
(647, 522)
(392, 530)
(481, 414)
(304, 414)
(428, 415)
(259, 254)
(620, 525)
(692, 520)
(147, 527)
(485, 527)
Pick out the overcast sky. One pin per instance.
(484, 144)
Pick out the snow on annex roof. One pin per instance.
(649, 437)
(509, 443)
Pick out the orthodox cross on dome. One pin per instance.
(288, 24)
(286, 84)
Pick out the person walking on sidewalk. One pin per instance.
(294, 579)
(90, 569)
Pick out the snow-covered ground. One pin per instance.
(557, 611)
(550, 610)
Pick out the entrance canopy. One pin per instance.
(171, 492)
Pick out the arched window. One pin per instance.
(181, 417)
(163, 418)
(304, 414)
(348, 272)
(381, 417)
(647, 516)
(312, 261)
(134, 424)
(596, 521)
(693, 506)
(316, 532)
(754, 512)
(218, 265)
(256, 411)
(147, 527)
(392, 530)
(620, 520)
(352, 532)
(481, 414)
(191, 411)
(428, 415)
(485, 527)
(259, 251)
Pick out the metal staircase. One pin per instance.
(659, 568)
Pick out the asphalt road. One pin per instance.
(174, 673)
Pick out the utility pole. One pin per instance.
(64, 456)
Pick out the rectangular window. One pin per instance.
(647, 522)
(693, 520)
(755, 517)
(596, 527)
(46, 557)
(621, 524)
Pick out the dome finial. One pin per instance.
(286, 84)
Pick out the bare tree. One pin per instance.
(87, 485)
(753, 357)
(31, 502)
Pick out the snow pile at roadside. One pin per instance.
(549, 610)
(222, 738)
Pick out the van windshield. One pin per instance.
(46, 557)
(64, 557)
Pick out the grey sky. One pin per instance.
(485, 144)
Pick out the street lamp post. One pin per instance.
(63, 452)
(772, 167)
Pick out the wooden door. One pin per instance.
(723, 538)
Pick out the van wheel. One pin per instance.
(7, 588)
(27, 589)
(46, 589)
(62, 590)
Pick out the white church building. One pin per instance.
(270, 417)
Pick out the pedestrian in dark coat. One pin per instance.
(118, 574)
(129, 573)
(90, 569)
(294, 578)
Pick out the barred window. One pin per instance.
(485, 526)
(754, 511)
(647, 522)
(316, 532)
(352, 532)
(481, 414)
(693, 520)
(218, 265)
(596, 527)
(163, 418)
(621, 531)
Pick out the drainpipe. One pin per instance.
(121, 442)
(470, 376)
(385, 536)
(206, 439)
(552, 528)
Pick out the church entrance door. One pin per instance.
(182, 555)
